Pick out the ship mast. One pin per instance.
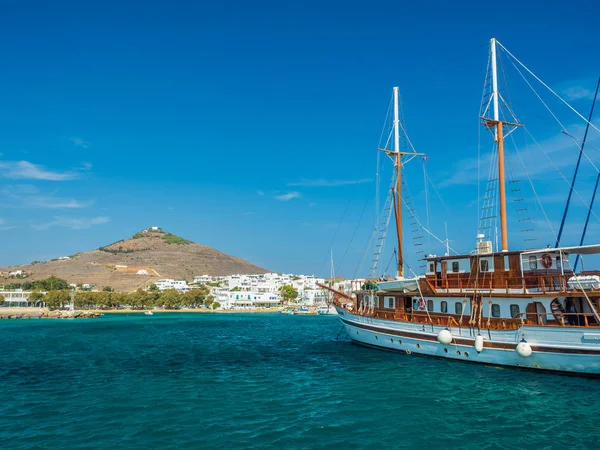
(398, 193)
(499, 139)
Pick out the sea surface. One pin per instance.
(266, 381)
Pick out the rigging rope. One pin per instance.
(547, 87)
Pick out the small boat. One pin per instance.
(304, 310)
(287, 311)
(326, 310)
(149, 313)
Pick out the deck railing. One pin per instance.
(542, 283)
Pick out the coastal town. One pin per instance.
(239, 292)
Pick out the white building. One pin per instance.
(15, 273)
(246, 299)
(203, 279)
(180, 285)
(142, 272)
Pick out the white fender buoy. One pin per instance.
(524, 349)
(444, 337)
(479, 343)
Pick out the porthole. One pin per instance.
(357, 333)
(391, 340)
(418, 345)
(467, 354)
(376, 338)
(399, 341)
(445, 350)
(458, 352)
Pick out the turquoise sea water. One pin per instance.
(266, 381)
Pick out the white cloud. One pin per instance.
(321, 182)
(28, 170)
(73, 223)
(80, 142)
(260, 193)
(578, 92)
(55, 203)
(288, 196)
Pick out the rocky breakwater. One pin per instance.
(25, 313)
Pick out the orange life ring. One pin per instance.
(546, 261)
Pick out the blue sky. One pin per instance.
(252, 127)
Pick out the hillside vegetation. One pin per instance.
(159, 253)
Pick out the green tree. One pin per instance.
(138, 299)
(235, 289)
(52, 284)
(1, 299)
(209, 300)
(153, 288)
(117, 299)
(288, 293)
(193, 298)
(107, 289)
(216, 305)
(84, 300)
(35, 297)
(170, 298)
(57, 299)
(101, 300)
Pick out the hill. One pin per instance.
(158, 253)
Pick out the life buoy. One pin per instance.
(546, 261)
(422, 305)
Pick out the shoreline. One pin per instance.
(19, 312)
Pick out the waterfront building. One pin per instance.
(180, 285)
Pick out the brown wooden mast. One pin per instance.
(398, 208)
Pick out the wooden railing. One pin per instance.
(495, 323)
(542, 283)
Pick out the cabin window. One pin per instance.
(495, 310)
(558, 261)
(455, 266)
(431, 267)
(532, 262)
(444, 307)
(458, 308)
(429, 305)
(391, 302)
(484, 265)
(514, 311)
(376, 301)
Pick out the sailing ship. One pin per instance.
(524, 308)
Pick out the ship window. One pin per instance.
(458, 308)
(495, 310)
(558, 262)
(391, 302)
(455, 266)
(431, 267)
(532, 262)
(514, 311)
(429, 305)
(444, 308)
(484, 265)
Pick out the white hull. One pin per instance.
(327, 311)
(554, 348)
